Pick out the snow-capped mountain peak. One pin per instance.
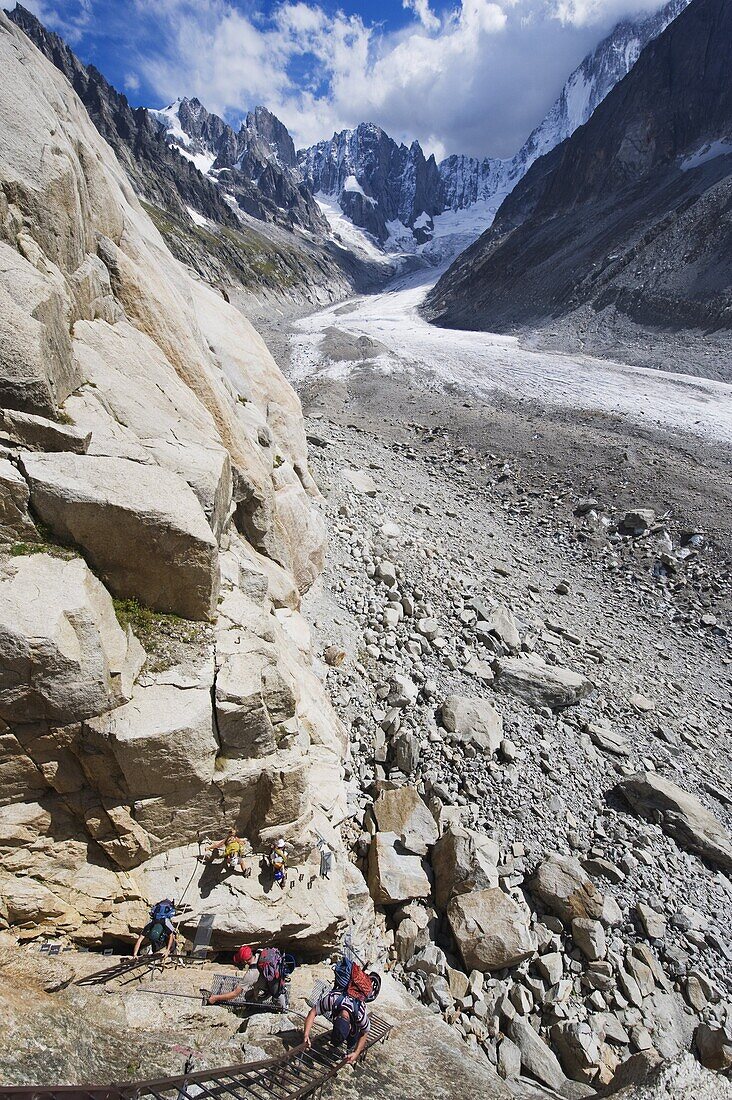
(404, 199)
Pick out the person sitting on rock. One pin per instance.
(351, 1023)
(234, 851)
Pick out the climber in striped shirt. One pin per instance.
(350, 1020)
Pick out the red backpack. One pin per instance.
(359, 985)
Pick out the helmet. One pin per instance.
(243, 955)
(280, 843)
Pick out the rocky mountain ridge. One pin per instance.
(643, 188)
(235, 237)
(392, 192)
(256, 166)
(378, 183)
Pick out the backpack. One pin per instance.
(158, 934)
(269, 964)
(360, 987)
(342, 973)
(164, 910)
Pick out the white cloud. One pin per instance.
(424, 13)
(581, 13)
(71, 26)
(475, 80)
(132, 82)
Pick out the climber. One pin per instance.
(278, 863)
(159, 931)
(243, 960)
(326, 857)
(234, 851)
(270, 973)
(350, 1020)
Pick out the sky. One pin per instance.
(466, 76)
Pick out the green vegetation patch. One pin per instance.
(164, 637)
(44, 545)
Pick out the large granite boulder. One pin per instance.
(403, 812)
(540, 684)
(64, 657)
(37, 369)
(16, 524)
(394, 874)
(255, 696)
(491, 930)
(682, 816)
(163, 740)
(38, 433)
(473, 722)
(463, 861)
(565, 889)
(137, 407)
(140, 527)
(537, 1058)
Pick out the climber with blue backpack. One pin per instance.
(159, 931)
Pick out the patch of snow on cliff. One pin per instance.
(578, 94)
(202, 161)
(352, 184)
(345, 232)
(707, 152)
(196, 217)
(169, 119)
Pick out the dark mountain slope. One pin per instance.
(630, 219)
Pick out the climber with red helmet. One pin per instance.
(243, 960)
(269, 973)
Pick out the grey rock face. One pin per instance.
(142, 527)
(473, 721)
(566, 890)
(463, 861)
(536, 1057)
(541, 684)
(256, 166)
(491, 930)
(377, 181)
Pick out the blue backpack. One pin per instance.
(164, 910)
(342, 973)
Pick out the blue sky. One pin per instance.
(468, 76)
